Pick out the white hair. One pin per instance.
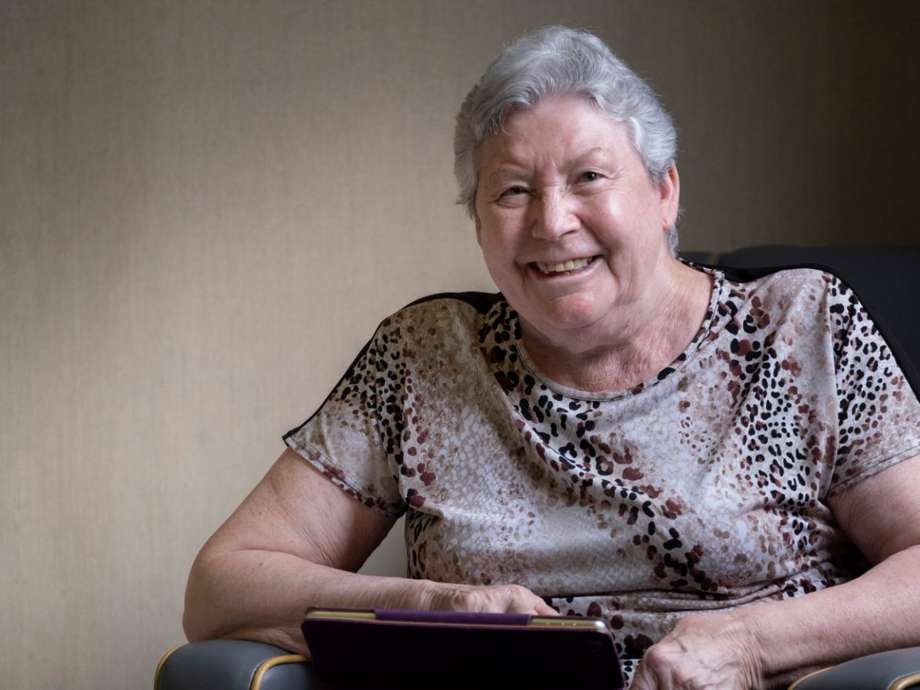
(556, 61)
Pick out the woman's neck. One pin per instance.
(642, 346)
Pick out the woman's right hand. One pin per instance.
(444, 596)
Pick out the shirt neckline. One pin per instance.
(710, 321)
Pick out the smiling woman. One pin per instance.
(709, 462)
(574, 232)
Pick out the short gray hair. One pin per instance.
(555, 61)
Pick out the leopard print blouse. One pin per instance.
(701, 489)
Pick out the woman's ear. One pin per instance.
(669, 188)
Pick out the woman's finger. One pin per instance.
(544, 609)
(649, 678)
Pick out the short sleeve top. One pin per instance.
(703, 488)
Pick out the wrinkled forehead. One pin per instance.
(556, 129)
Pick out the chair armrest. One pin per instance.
(241, 665)
(233, 665)
(895, 670)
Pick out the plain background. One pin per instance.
(207, 207)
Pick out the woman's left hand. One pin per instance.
(703, 652)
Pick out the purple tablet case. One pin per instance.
(433, 649)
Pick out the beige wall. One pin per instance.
(208, 206)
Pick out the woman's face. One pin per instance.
(562, 183)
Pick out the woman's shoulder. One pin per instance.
(784, 287)
(447, 316)
(780, 276)
(796, 301)
(480, 302)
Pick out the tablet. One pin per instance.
(441, 649)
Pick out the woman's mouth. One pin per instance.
(565, 268)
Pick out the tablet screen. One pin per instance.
(434, 649)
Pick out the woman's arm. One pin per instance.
(294, 542)
(278, 553)
(764, 645)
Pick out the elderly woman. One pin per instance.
(724, 471)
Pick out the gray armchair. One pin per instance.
(871, 271)
(238, 665)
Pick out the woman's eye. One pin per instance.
(590, 176)
(513, 191)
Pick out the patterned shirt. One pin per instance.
(702, 489)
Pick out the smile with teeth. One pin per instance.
(565, 266)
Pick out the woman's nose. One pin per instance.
(553, 215)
